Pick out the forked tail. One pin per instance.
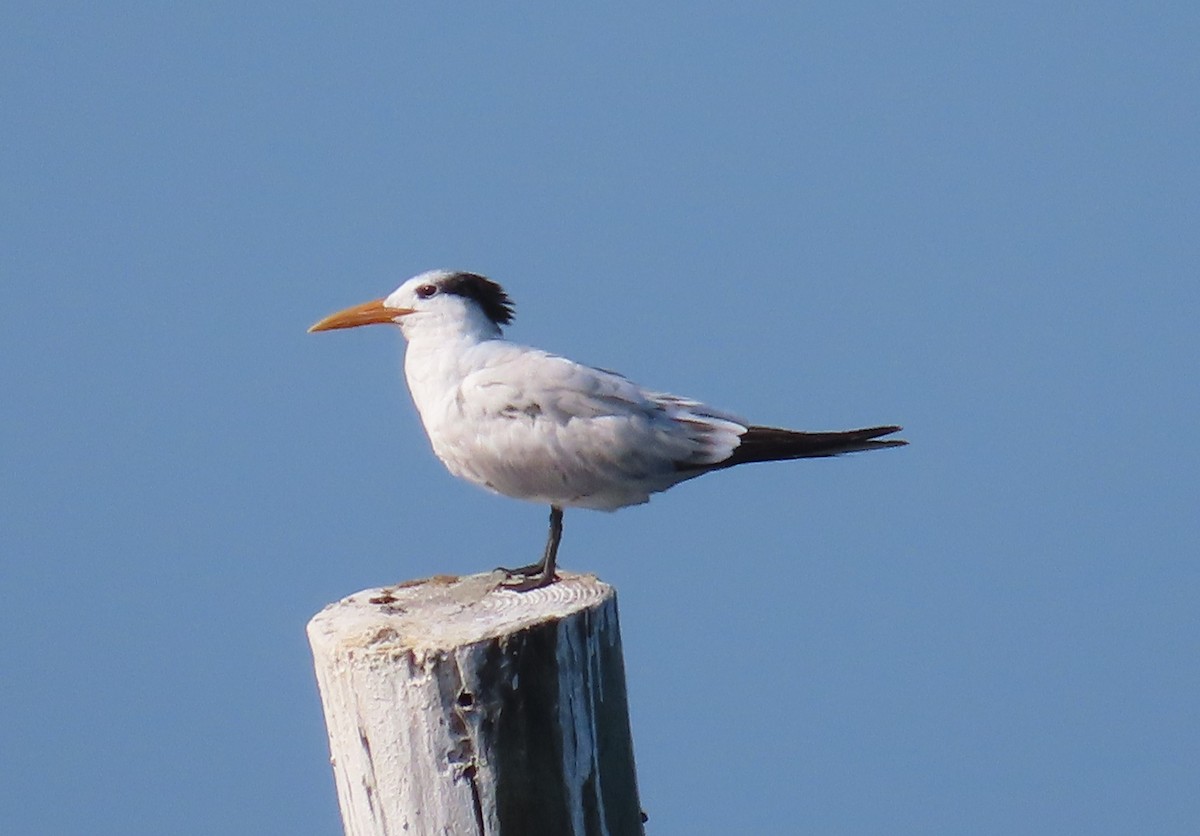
(769, 444)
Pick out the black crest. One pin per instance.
(491, 297)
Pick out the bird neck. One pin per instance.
(436, 362)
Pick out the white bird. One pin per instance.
(532, 425)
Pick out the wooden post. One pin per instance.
(454, 707)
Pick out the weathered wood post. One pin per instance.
(454, 707)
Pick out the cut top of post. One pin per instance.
(445, 612)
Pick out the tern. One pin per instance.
(532, 425)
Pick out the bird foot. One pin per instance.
(533, 576)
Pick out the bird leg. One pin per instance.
(537, 575)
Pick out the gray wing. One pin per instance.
(601, 420)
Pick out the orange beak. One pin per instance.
(368, 313)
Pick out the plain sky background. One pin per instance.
(981, 221)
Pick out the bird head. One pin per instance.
(437, 301)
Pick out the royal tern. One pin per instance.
(532, 425)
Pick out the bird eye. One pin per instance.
(426, 290)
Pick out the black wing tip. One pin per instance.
(871, 433)
(887, 429)
(871, 438)
(863, 434)
(768, 444)
(890, 442)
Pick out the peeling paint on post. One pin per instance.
(456, 707)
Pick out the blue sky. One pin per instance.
(978, 222)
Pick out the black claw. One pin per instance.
(526, 582)
(531, 569)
